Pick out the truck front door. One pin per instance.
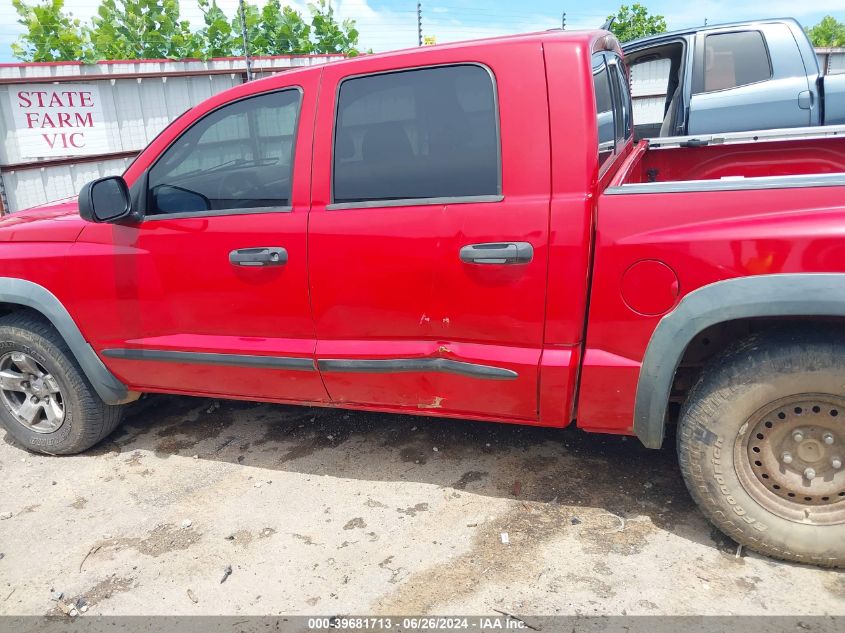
(208, 293)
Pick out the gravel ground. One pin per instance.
(320, 511)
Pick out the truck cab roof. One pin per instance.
(650, 40)
(590, 39)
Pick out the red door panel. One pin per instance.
(174, 314)
(401, 320)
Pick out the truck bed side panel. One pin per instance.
(699, 238)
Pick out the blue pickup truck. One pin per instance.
(737, 77)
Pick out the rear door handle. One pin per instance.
(259, 256)
(805, 100)
(497, 253)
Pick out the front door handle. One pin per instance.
(259, 256)
(497, 253)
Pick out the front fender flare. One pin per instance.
(31, 295)
(810, 294)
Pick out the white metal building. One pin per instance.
(65, 123)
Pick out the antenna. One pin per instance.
(608, 23)
(419, 24)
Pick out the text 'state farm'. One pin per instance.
(53, 120)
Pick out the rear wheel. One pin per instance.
(46, 402)
(761, 444)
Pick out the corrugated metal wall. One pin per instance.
(135, 110)
(831, 60)
(648, 90)
(138, 100)
(37, 185)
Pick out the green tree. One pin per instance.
(152, 29)
(283, 31)
(329, 36)
(51, 34)
(141, 29)
(216, 38)
(828, 32)
(634, 21)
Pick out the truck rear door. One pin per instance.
(428, 231)
(749, 78)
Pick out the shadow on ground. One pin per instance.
(558, 466)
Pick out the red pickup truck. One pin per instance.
(469, 231)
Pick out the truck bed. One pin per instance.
(807, 156)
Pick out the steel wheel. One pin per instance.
(30, 393)
(789, 458)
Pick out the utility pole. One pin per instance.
(246, 40)
(419, 24)
(563, 21)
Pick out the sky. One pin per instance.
(391, 24)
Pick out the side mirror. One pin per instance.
(105, 200)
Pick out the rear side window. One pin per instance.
(237, 157)
(423, 133)
(623, 102)
(735, 59)
(604, 109)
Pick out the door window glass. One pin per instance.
(735, 59)
(604, 109)
(237, 157)
(423, 133)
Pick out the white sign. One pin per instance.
(53, 120)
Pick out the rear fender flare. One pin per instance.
(810, 294)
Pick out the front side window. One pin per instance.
(237, 157)
(416, 134)
(604, 109)
(735, 59)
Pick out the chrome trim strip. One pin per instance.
(185, 215)
(397, 365)
(754, 136)
(731, 184)
(413, 202)
(207, 358)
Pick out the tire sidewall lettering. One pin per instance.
(722, 485)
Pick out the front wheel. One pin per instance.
(46, 402)
(761, 444)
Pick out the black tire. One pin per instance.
(87, 419)
(756, 386)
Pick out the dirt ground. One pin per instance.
(320, 511)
